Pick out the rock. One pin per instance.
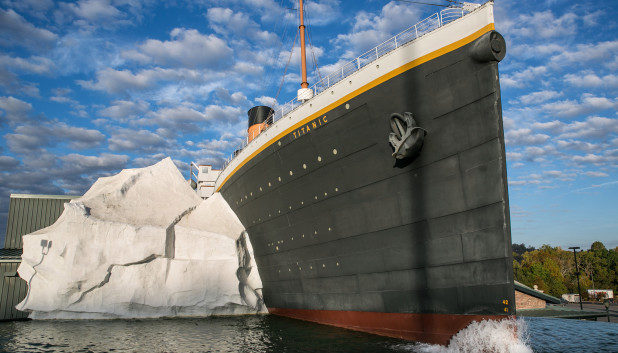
(141, 244)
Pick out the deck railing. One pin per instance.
(421, 28)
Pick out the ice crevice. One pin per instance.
(109, 274)
(141, 244)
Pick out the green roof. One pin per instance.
(535, 293)
(29, 213)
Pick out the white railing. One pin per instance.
(421, 28)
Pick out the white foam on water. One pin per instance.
(487, 336)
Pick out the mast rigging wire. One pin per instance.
(426, 3)
(286, 67)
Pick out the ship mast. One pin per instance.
(303, 57)
(304, 93)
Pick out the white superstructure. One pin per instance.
(204, 183)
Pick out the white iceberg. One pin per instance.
(141, 244)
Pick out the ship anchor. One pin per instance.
(406, 137)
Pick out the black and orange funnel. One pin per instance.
(259, 118)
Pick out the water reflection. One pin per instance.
(251, 334)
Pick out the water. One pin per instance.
(259, 334)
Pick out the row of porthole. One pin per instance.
(304, 166)
(276, 243)
(302, 203)
(310, 267)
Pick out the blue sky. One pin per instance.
(93, 86)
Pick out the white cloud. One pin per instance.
(14, 110)
(28, 139)
(104, 161)
(593, 127)
(538, 154)
(183, 118)
(536, 25)
(237, 98)
(36, 8)
(369, 30)
(94, 10)
(596, 174)
(15, 30)
(577, 145)
(268, 101)
(538, 97)
(13, 85)
(7, 163)
(584, 53)
(588, 104)
(589, 79)
(284, 56)
(136, 140)
(607, 158)
(524, 136)
(227, 22)
(271, 10)
(529, 51)
(247, 68)
(321, 12)
(122, 81)
(521, 78)
(123, 110)
(514, 156)
(223, 113)
(545, 178)
(187, 48)
(35, 64)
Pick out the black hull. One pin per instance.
(358, 231)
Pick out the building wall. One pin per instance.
(12, 291)
(27, 214)
(525, 301)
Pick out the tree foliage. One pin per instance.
(552, 269)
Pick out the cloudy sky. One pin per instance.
(93, 86)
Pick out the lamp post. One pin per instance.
(579, 291)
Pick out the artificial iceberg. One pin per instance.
(141, 244)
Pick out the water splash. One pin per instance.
(487, 336)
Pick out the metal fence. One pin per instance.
(421, 28)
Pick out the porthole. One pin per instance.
(378, 66)
(347, 106)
